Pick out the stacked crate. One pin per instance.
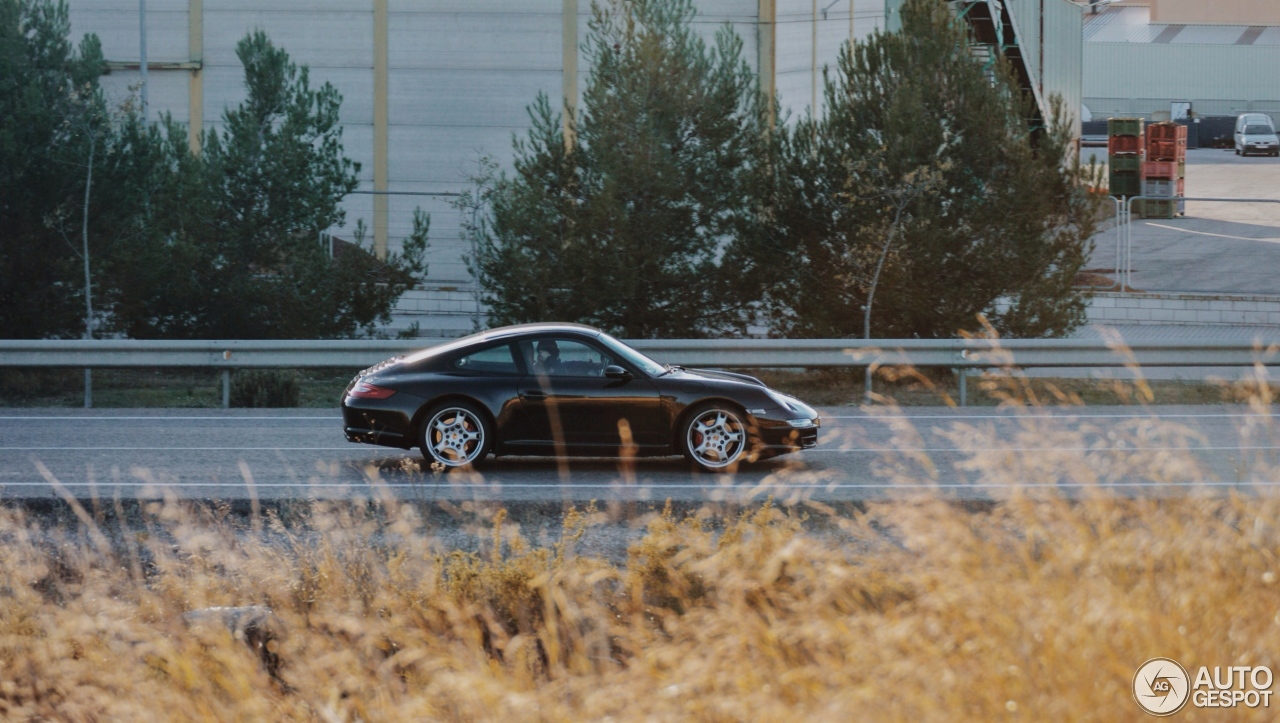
(1164, 171)
(1124, 156)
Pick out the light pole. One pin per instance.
(142, 53)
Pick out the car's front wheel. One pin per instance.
(715, 437)
(455, 434)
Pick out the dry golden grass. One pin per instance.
(1032, 607)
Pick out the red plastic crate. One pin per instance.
(1158, 150)
(1164, 169)
(1124, 144)
(1166, 132)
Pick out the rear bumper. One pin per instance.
(377, 422)
(381, 438)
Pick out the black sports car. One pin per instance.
(567, 389)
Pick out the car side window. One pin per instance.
(558, 357)
(494, 360)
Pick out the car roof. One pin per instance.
(502, 332)
(537, 328)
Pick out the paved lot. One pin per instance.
(1217, 247)
(975, 453)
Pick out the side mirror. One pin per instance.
(613, 371)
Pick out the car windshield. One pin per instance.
(1258, 130)
(645, 364)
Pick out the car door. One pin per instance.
(491, 376)
(568, 399)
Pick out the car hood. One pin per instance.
(718, 374)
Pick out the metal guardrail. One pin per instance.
(741, 353)
(957, 353)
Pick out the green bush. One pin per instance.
(30, 383)
(265, 388)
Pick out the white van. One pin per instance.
(1256, 134)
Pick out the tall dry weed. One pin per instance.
(1035, 604)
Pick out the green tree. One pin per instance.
(237, 250)
(627, 229)
(51, 111)
(1001, 228)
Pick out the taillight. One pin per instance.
(365, 390)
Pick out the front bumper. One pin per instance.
(778, 431)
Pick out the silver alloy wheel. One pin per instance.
(716, 438)
(455, 436)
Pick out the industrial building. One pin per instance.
(1159, 58)
(431, 87)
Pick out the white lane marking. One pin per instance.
(1065, 415)
(804, 452)
(184, 449)
(1206, 448)
(1008, 415)
(158, 418)
(729, 487)
(1206, 233)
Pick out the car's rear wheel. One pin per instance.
(456, 434)
(715, 437)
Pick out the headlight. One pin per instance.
(800, 423)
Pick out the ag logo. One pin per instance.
(1161, 686)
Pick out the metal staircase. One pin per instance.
(994, 32)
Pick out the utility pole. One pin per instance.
(142, 53)
(875, 280)
(88, 283)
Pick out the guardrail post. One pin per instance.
(964, 391)
(226, 388)
(88, 388)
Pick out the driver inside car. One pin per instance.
(548, 358)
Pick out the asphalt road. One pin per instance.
(1217, 247)
(977, 453)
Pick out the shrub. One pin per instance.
(265, 388)
(29, 383)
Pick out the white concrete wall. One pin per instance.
(1184, 309)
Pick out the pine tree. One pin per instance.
(627, 229)
(237, 251)
(50, 103)
(1000, 229)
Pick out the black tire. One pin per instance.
(455, 435)
(716, 437)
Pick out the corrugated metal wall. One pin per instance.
(1051, 31)
(1132, 79)
(798, 66)
(460, 74)
(1064, 56)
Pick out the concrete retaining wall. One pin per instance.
(1117, 308)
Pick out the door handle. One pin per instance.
(533, 395)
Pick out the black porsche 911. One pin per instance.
(567, 389)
